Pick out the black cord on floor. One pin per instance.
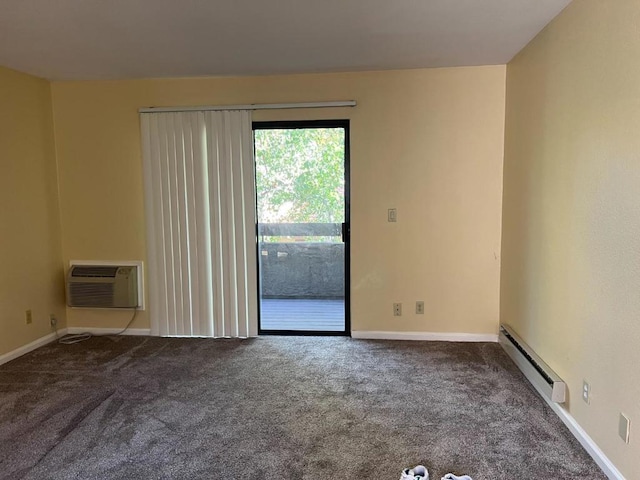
(81, 337)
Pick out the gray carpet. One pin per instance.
(277, 408)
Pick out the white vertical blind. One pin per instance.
(200, 208)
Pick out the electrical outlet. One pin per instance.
(397, 309)
(392, 215)
(623, 427)
(420, 307)
(586, 392)
(53, 321)
(28, 317)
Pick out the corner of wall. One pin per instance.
(30, 247)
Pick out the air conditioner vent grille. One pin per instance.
(94, 271)
(92, 294)
(102, 286)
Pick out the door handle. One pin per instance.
(345, 232)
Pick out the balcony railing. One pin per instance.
(301, 260)
(300, 229)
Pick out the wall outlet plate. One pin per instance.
(420, 307)
(28, 317)
(392, 215)
(397, 309)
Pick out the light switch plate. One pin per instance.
(586, 392)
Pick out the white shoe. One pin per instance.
(416, 473)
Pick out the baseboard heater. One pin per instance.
(537, 372)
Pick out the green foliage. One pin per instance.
(300, 175)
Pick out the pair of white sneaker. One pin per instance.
(420, 473)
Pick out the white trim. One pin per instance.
(124, 263)
(51, 337)
(425, 336)
(109, 331)
(583, 437)
(587, 442)
(252, 106)
(29, 347)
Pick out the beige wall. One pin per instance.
(30, 253)
(571, 231)
(427, 142)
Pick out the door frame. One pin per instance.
(303, 124)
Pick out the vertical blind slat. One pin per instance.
(249, 203)
(150, 202)
(163, 271)
(173, 280)
(225, 164)
(183, 233)
(215, 185)
(191, 227)
(202, 198)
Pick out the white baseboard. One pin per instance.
(18, 352)
(583, 437)
(425, 336)
(109, 331)
(29, 347)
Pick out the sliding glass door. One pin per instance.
(303, 226)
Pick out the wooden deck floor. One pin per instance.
(302, 314)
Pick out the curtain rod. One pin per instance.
(253, 106)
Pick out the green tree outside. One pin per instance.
(300, 175)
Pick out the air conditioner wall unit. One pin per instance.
(102, 286)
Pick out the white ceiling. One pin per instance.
(95, 39)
